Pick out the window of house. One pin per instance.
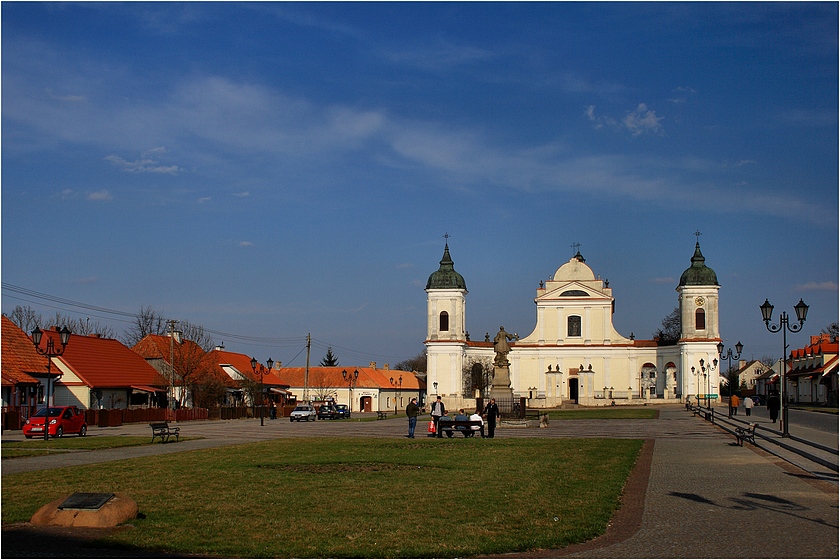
(574, 325)
(444, 321)
(700, 320)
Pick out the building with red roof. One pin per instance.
(812, 372)
(246, 382)
(97, 372)
(21, 369)
(364, 389)
(195, 379)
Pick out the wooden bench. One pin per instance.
(380, 415)
(464, 426)
(163, 431)
(746, 434)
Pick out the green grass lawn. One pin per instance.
(354, 498)
(36, 447)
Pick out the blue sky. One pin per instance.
(270, 170)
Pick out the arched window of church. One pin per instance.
(444, 321)
(574, 325)
(700, 320)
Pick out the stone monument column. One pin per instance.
(500, 388)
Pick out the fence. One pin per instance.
(508, 408)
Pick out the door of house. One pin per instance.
(573, 389)
(365, 404)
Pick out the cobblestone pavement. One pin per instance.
(694, 493)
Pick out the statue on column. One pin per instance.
(502, 348)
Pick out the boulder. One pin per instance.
(115, 511)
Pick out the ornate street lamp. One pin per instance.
(262, 373)
(707, 375)
(738, 349)
(50, 352)
(353, 379)
(784, 326)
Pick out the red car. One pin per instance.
(63, 420)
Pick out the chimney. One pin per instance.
(373, 365)
(220, 347)
(176, 335)
(385, 367)
(278, 364)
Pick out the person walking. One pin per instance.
(438, 410)
(733, 405)
(412, 411)
(773, 406)
(748, 404)
(492, 412)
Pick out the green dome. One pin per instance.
(698, 274)
(445, 277)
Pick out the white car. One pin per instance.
(303, 412)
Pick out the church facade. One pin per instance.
(575, 354)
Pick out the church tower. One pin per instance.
(698, 293)
(446, 333)
(446, 301)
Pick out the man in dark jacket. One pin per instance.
(438, 410)
(412, 411)
(492, 412)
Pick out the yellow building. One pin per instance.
(574, 353)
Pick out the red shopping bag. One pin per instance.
(432, 426)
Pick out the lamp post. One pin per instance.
(354, 377)
(707, 376)
(399, 385)
(728, 356)
(784, 325)
(270, 364)
(50, 352)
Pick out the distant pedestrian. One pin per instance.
(748, 404)
(773, 406)
(733, 405)
(492, 412)
(272, 412)
(438, 410)
(412, 411)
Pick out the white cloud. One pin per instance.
(817, 287)
(242, 194)
(144, 165)
(245, 243)
(205, 199)
(99, 195)
(643, 120)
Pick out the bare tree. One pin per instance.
(671, 329)
(146, 322)
(477, 374)
(831, 329)
(320, 386)
(417, 363)
(26, 318)
(86, 327)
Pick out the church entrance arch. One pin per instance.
(573, 389)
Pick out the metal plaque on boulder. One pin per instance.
(85, 500)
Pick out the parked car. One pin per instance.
(63, 420)
(302, 412)
(342, 411)
(327, 412)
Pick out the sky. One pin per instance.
(272, 170)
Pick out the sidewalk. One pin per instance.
(693, 494)
(708, 498)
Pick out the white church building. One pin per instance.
(575, 354)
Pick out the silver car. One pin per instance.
(303, 412)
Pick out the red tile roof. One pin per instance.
(332, 377)
(105, 362)
(242, 364)
(189, 357)
(19, 358)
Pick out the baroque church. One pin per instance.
(575, 354)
